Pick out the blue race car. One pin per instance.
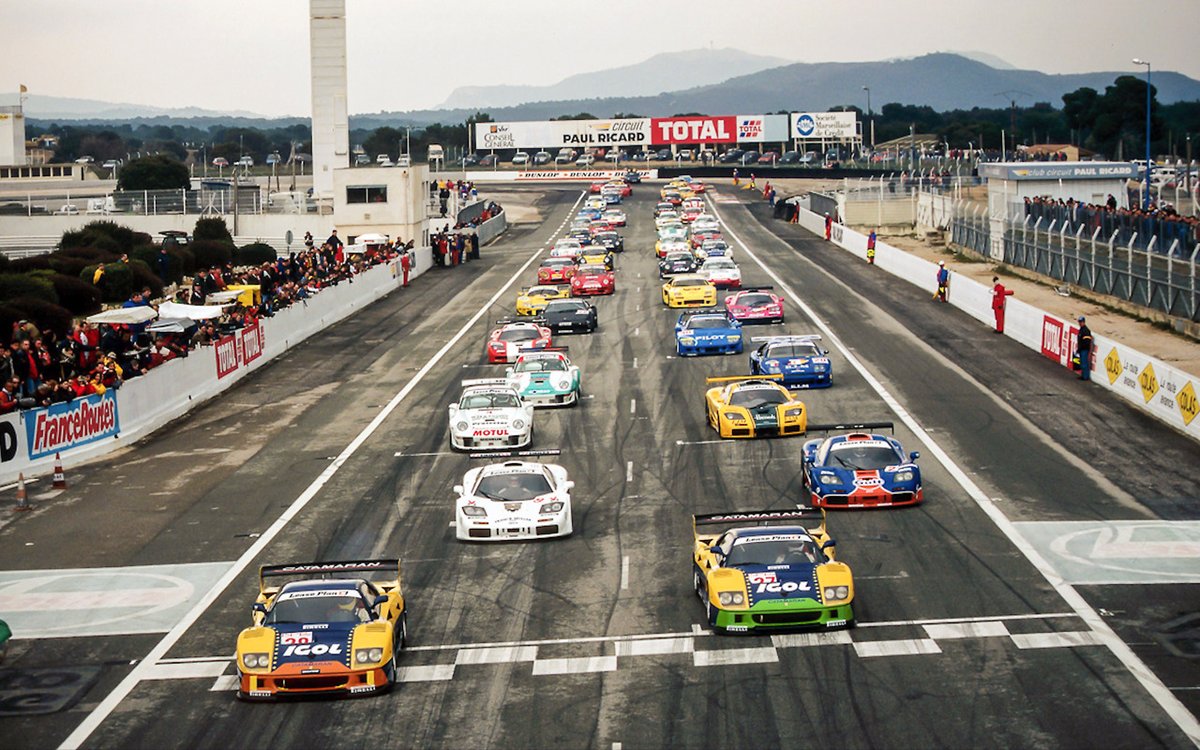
(801, 362)
(707, 333)
(860, 470)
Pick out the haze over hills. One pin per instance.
(669, 71)
(43, 107)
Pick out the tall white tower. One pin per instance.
(330, 122)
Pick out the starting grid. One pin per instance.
(1025, 632)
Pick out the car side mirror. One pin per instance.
(379, 601)
(914, 455)
(260, 608)
(508, 371)
(568, 485)
(829, 544)
(458, 489)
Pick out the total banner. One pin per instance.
(669, 130)
(762, 128)
(563, 133)
(71, 424)
(238, 349)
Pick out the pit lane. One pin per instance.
(961, 640)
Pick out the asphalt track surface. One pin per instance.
(595, 640)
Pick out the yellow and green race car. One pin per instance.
(532, 301)
(689, 290)
(336, 627)
(769, 570)
(754, 406)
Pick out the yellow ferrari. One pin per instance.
(532, 301)
(336, 627)
(597, 255)
(754, 406)
(689, 290)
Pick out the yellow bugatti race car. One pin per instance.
(689, 290)
(755, 406)
(532, 301)
(336, 627)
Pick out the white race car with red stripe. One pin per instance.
(514, 500)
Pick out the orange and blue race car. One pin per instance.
(337, 627)
(860, 469)
(769, 570)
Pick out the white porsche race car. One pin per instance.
(513, 500)
(545, 378)
(490, 415)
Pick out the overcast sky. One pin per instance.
(252, 55)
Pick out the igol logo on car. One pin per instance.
(320, 649)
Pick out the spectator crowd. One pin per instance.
(1136, 224)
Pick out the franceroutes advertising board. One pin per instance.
(827, 125)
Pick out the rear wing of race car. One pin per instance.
(484, 381)
(756, 289)
(383, 573)
(783, 516)
(798, 338)
(852, 427)
(517, 454)
(742, 378)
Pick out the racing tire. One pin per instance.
(696, 584)
(401, 633)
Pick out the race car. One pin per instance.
(596, 202)
(533, 300)
(664, 247)
(722, 272)
(621, 187)
(615, 216)
(546, 378)
(513, 500)
(706, 223)
(697, 239)
(755, 304)
(596, 186)
(575, 315)
(714, 247)
(593, 279)
(490, 415)
(677, 262)
(769, 570)
(660, 208)
(751, 407)
(693, 204)
(513, 337)
(689, 290)
(337, 628)
(673, 231)
(558, 270)
(596, 226)
(665, 217)
(610, 241)
(597, 255)
(799, 359)
(566, 247)
(861, 470)
(689, 213)
(582, 235)
(707, 333)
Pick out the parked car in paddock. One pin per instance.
(590, 279)
(757, 304)
(570, 315)
(511, 337)
(753, 407)
(769, 570)
(689, 290)
(546, 378)
(490, 415)
(542, 157)
(861, 470)
(338, 627)
(699, 333)
(800, 360)
(532, 301)
(513, 500)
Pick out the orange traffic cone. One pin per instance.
(22, 497)
(60, 479)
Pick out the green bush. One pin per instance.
(15, 286)
(153, 173)
(143, 277)
(255, 254)
(105, 235)
(31, 263)
(47, 316)
(75, 294)
(117, 283)
(212, 228)
(185, 259)
(209, 253)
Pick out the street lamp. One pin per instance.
(870, 119)
(1146, 195)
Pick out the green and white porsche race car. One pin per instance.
(546, 378)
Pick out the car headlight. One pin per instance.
(256, 661)
(903, 476)
(473, 510)
(734, 339)
(687, 341)
(836, 593)
(733, 416)
(518, 424)
(727, 598)
(829, 477)
(820, 367)
(793, 413)
(553, 507)
(368, 655)
(462, 426)
(562, 384)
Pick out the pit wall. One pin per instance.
(89, 428)
(1168, 394)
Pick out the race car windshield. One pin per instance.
(793, 350)
(755, 397)
(690, 282)
(607, 236)
(541, 365)
(519, 334)
(794, 551)
(589, 270)
(557, 263)
(720, 265)
(696, 323)
(754, 300)
(513, 486)
(489, 401)
(850, 456)
(567, 306)
(316, 609)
